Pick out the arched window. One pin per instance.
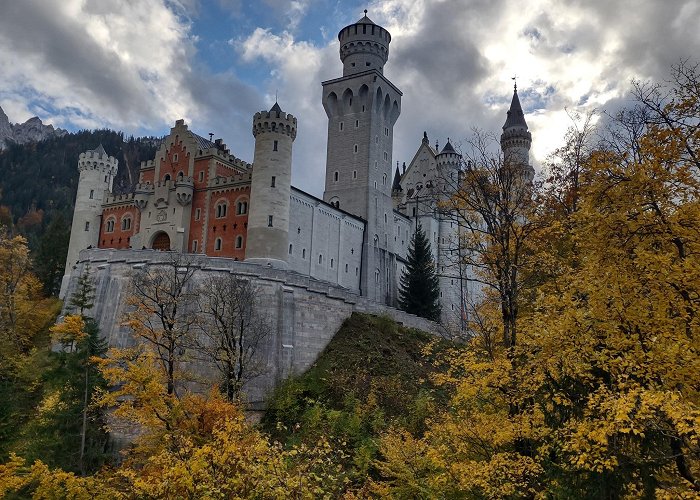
(331, 263)
(303, 253)
(239, 241)
(320, 258)
(217, 244)
(194, 246)
(242, 207)
(221, 209)
(167, 177)
(335, 178)
(92, 193)
(109, 226)
(126, 223)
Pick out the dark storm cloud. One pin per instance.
(32, 30)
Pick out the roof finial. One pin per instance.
(275, 96)
(365, 12)
(515, 83)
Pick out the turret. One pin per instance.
(516, 139)
(268, 221)
(448, 165)
(363, 46)
(97, 172)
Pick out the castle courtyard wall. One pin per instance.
(304, 312)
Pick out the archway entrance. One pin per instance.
(161, 242)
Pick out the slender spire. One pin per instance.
(516, 117)
(396, 185)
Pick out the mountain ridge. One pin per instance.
(33, 130)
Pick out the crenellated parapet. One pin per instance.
(274, 121)
(96, 160)
(233, 180)
(363, 46)
(119, 200)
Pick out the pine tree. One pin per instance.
(420, 288)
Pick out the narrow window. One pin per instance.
(239, 241)
(354, 174)
(105, 178)
(386, 156)
(335, 176)
(357, 271)
(355, 148)
(269, 221)
(126, 223)
(346, 268)
(201, 176)
(92, 194)
(303, 253)
(357, 123)
(384, 179)
(217, 244)
(194, 246)
(385, 218)
(242, 207)
(274, 146)
(320, 258)
(341, 126)
(331, 263)
(290, 249)
(87, 226)
(197, 213)
(272, 183)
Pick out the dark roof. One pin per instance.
(276, 108)
(448, 148)
(100, 150)
(516, 117)
(203, 143)
(365, 20)
(396, 186)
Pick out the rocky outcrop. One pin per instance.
(33, 130)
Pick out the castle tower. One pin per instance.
(448, 166)
(97, 172)
(362, 107)
(268, 221)
(516, 139)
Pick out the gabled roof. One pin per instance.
(516, 117)
(203, 143)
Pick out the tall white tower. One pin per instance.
(362, 107)
(268, 221)
(97, 172)
(516, 139)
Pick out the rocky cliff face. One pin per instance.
(33, 130)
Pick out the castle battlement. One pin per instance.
(119, 199)
(230, 181)
(275, 121)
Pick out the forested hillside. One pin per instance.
(38, 182)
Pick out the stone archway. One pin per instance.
(161, 242)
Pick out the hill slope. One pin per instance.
(374, 374)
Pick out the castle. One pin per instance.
(195, 197)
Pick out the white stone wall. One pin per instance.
(319, 232)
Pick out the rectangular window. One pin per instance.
(269, 219)
(194, 246)
(201, 176)
(341, 126)
(197, 213)
(272, 184)
(87, 226)
(92, 194)
(274, 146)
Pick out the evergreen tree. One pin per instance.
(50, 258)
(420, 287)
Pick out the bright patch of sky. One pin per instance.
(139, 65)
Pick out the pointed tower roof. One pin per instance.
(396, 185)
(276, 108)
(100, 150)
(365, 19)
(448, 148)
(516, 117)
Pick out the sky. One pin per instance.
(139, 65)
